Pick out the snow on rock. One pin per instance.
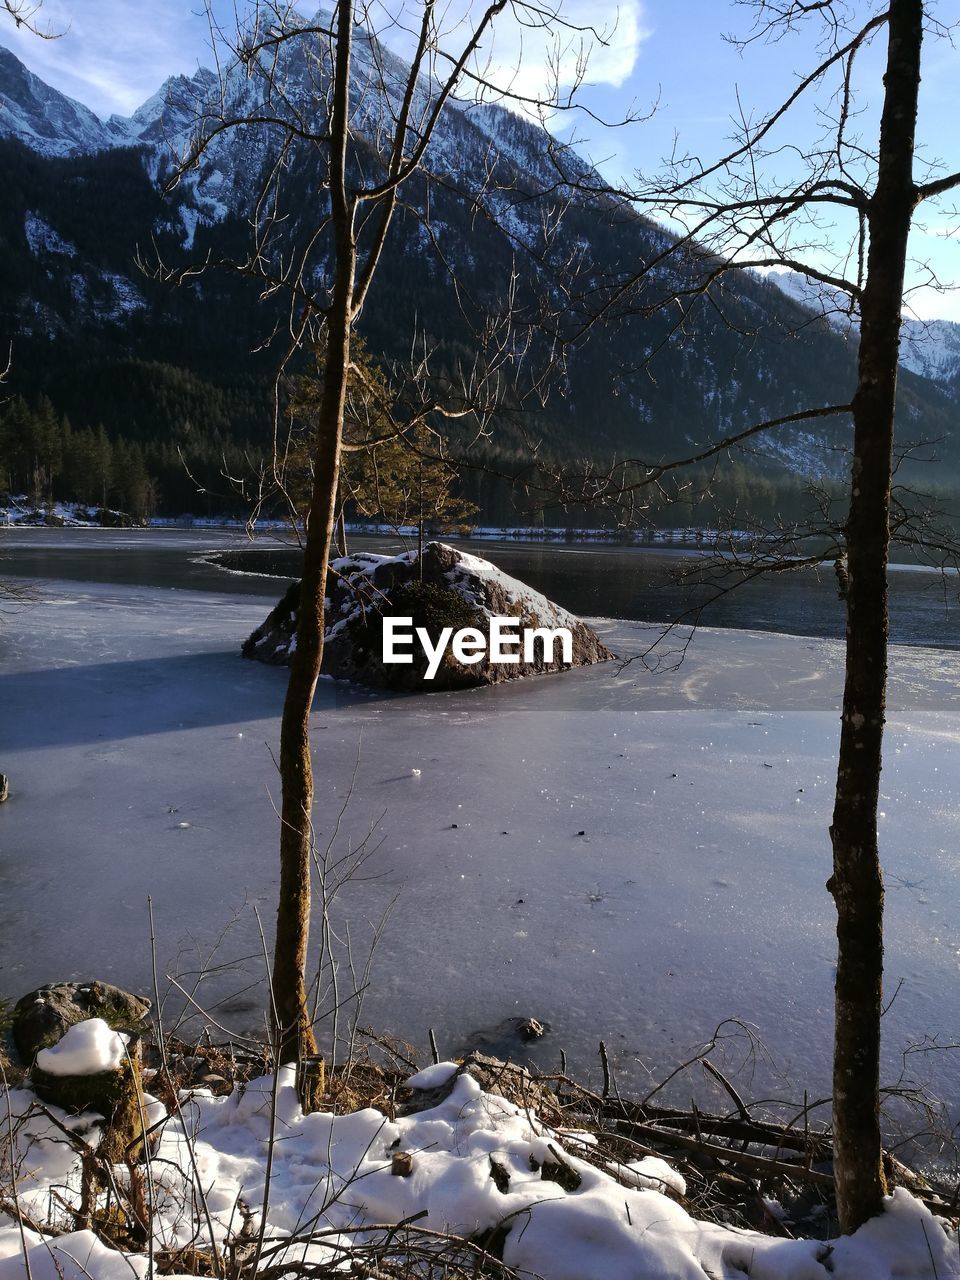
(434, 1076)
(333, 1175)
(124, 295)
(462, 591)
(87, 1048)
(43, 1017)
(42, 238)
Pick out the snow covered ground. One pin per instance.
(629, 855)
(330, 1177)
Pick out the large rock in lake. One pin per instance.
(457, 590)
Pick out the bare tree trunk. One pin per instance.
(338, 297)
(296, 1036)
(295, 1032)
(857, 880)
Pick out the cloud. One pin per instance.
(534, 51)
(111, 54)
(593, 40)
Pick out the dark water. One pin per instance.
(663, 586)
(595, 581)
(139, 557)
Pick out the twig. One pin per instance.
(722, 1079)
(17, 1212)
(605, 1064)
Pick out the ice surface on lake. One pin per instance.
(621, 854)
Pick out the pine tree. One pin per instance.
(393, 474)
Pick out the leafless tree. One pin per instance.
(326, 275)
(741, 213)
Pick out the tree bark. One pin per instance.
(295, 1036)
(857, 880)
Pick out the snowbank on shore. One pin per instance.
(475, 1163)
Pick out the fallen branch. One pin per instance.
(764, 1165)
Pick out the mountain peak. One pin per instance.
(169, 115)
(42, 117)
(54, 124)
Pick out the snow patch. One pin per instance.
(656, 1174)
(126, 296)
(334, 1172)
(42, 238)
(928, 348)
(434, 1076)
(86, 1049)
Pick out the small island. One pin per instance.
(450, 592)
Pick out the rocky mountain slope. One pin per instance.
(928, 348)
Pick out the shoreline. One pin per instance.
(590, 581)
(680, 541)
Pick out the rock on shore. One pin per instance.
(457, 590)
(43, 1016)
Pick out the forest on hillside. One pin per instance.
(200, 469)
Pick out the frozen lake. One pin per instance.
(139, 745)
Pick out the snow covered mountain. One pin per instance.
(52, 124)
(44, 119)
(928, 348)
(86, 203)
(469, 139)
(468, 136)
(931, 348)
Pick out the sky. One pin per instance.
(113, 54)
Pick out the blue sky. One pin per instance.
(113, 54)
